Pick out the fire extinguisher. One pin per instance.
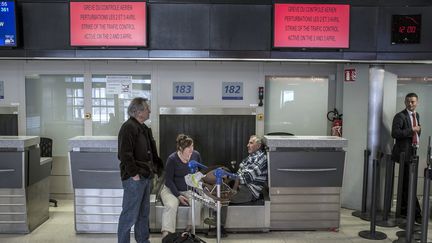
(336, 119)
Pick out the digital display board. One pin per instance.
(311, 25)
(7, 24)
(108, 24)
(406, 29)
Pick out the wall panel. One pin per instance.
(45, 25)
(240, 27)
(179, 26)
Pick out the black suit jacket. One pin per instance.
(402, 132)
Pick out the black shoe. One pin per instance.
(418, 219)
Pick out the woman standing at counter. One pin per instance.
(175, 190)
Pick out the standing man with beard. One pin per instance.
(139, 162)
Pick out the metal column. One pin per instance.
(375, 110)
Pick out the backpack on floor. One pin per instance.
(182, 237)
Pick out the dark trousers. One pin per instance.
(405, 186)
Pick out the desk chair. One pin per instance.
(45, 146)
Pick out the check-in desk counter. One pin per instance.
(97, 184)
(24, 184)
(305, 180)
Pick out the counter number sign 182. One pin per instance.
(232, 90)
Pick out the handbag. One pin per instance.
(182, 237)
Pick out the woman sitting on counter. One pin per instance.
(175, 192)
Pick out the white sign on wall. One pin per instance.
(118, 84)
(350, 75)
(232, 90)
(183, 90)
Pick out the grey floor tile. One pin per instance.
(60, 229)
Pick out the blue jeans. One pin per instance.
(135, 211)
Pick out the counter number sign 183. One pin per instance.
(183, 90)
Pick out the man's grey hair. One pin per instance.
(137, 104)
(258, 139)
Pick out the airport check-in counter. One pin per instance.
(305, 180)
(24, 184)
(99, 193)
(97, 184)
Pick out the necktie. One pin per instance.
(414, 124)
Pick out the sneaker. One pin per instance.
(210, 221)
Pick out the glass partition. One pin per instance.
(296, 105)
(111, 95)
(55, 108)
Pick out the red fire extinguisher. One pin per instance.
(336, 119)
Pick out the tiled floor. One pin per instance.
(60, 228)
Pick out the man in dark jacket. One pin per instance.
(138, 163)
(406, 131)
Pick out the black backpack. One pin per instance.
(182, 237)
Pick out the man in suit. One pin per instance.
(406, 131)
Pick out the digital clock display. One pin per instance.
(406, 29)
